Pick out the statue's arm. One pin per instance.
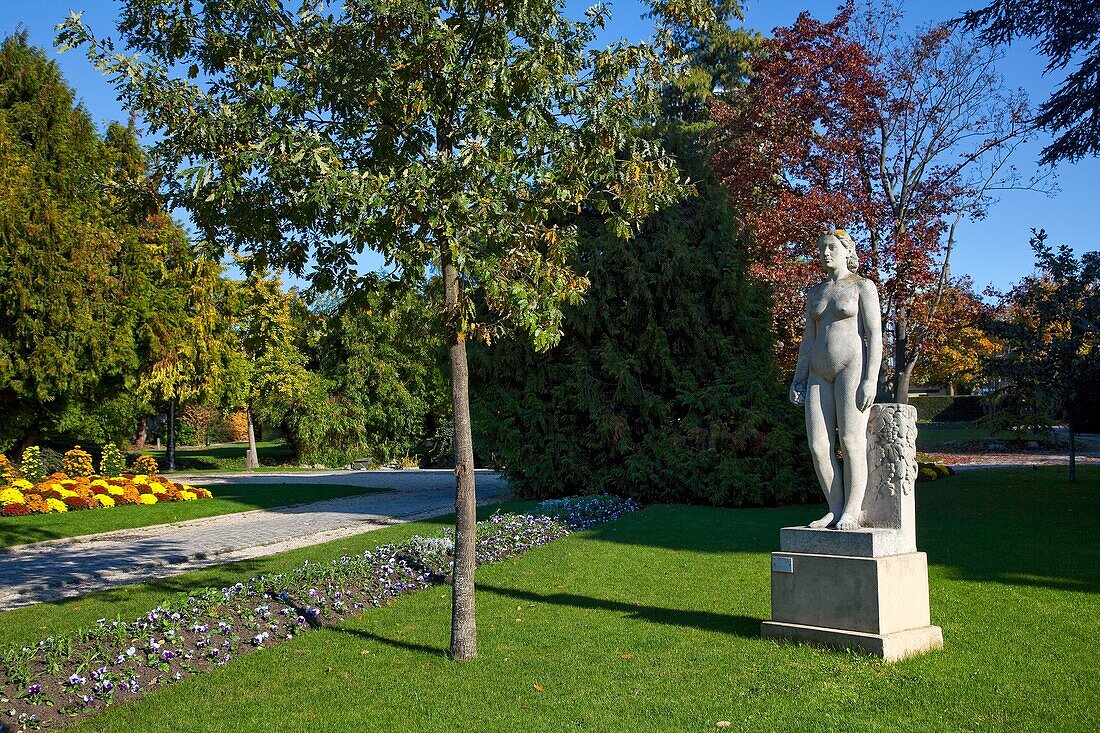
(870, 315)
(802, 368)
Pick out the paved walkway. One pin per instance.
(45, 571)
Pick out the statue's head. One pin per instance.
(845, 241)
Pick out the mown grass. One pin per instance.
(228, 499)
(937, 436)
(225, 457)
(651, 623)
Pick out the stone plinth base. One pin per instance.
(889, 647)
(877, 604)
(868, 542)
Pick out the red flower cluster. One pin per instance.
(15, 510)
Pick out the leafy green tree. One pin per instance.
(1047, 326)
(452, 136)
(273, 377)
(190, 348)
(384, 355)
(664, 385)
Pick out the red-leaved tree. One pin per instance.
(897, 138)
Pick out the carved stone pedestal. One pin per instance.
(864, 589)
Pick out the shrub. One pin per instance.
(31, 465)
(8, 472)
(56, 505)
(144, 464)
(15, 510)
(942, 470)
(78, 503)
(927, 473)
(77, 462)
(11, 496)
(236, 426)
(112, 462)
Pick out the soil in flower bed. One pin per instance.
(62, 678)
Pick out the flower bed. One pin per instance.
(66, 677)
(60, 493)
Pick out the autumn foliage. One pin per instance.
(791, 154)
(894, 138)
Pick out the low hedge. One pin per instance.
(944, 408)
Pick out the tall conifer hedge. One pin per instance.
(663, 387)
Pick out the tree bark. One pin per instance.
(170, 451)
(903, 367)
(251, 458)
(463, 618)
(1072, 443)
(142, 433)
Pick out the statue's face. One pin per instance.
(833, 252)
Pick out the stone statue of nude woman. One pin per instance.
(837, 377)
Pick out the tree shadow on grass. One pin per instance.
(1012, 526)
(395, 643)
(737, 625)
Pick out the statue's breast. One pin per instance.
(846, 303)
(839, 300)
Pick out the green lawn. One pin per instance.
(221, 457)
(228, 499)
(651, 623)
(936, 436)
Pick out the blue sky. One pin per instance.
(992, 251)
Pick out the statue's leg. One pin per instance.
(852, 428)
(821, 433)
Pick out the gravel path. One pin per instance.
(46, 571)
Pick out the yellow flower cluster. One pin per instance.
(60, 493)
(77, 462)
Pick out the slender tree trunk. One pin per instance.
(904, 377)
(463, 618)
(251, 458)
(903, 369)
(170, 452)
(1072, 443)
(142, 432)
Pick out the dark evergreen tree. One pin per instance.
(664, 385)
(1064, 32)
(84, 263)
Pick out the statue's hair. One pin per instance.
(849, 244)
